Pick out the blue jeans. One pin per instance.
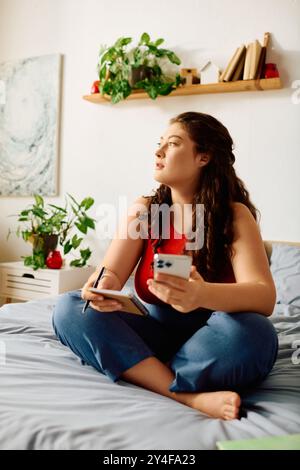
(206, 350)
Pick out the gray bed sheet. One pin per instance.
(49, 400)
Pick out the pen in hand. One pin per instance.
(94, 285)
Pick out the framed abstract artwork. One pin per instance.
(29, 125)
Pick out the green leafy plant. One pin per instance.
(122, 70)
(48, 225)
(114, 70)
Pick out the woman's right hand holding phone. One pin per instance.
(108, 281)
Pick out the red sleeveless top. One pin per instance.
(145, 270)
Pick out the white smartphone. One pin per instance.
(176, 265)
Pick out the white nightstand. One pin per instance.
(20, 282)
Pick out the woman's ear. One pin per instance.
(203, 159)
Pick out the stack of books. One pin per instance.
(247, 63)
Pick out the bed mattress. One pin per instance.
(49, 400)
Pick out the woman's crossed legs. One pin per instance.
(200, 360)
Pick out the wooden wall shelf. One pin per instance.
(222, 87)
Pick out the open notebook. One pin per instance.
(129, 300)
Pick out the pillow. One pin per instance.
(285, 269)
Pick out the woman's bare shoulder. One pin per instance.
(240, 210)
(141, 204)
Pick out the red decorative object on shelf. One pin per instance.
(54, 260)
(95, 87)
(271, 71)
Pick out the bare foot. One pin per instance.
(223, 405)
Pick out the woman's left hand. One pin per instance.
(183, 295)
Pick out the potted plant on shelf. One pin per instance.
(48, 226)
(143, 67)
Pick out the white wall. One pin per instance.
(107, 151)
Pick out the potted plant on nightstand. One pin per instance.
(143, 67)
(48, 226)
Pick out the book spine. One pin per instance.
(262, 59)
(224, 73)
(234, 64)
(238, 74)
(256, 51)
(247, 62)
(261, 64)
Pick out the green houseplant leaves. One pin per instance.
(122, 70)
(47, 226)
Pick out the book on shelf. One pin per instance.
(227, 74)
(262, 58)
(254, 59)
(238, 73)
(246, 73)
(247, 62)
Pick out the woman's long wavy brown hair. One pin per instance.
(218, 188)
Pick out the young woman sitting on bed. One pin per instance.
(207, 338)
